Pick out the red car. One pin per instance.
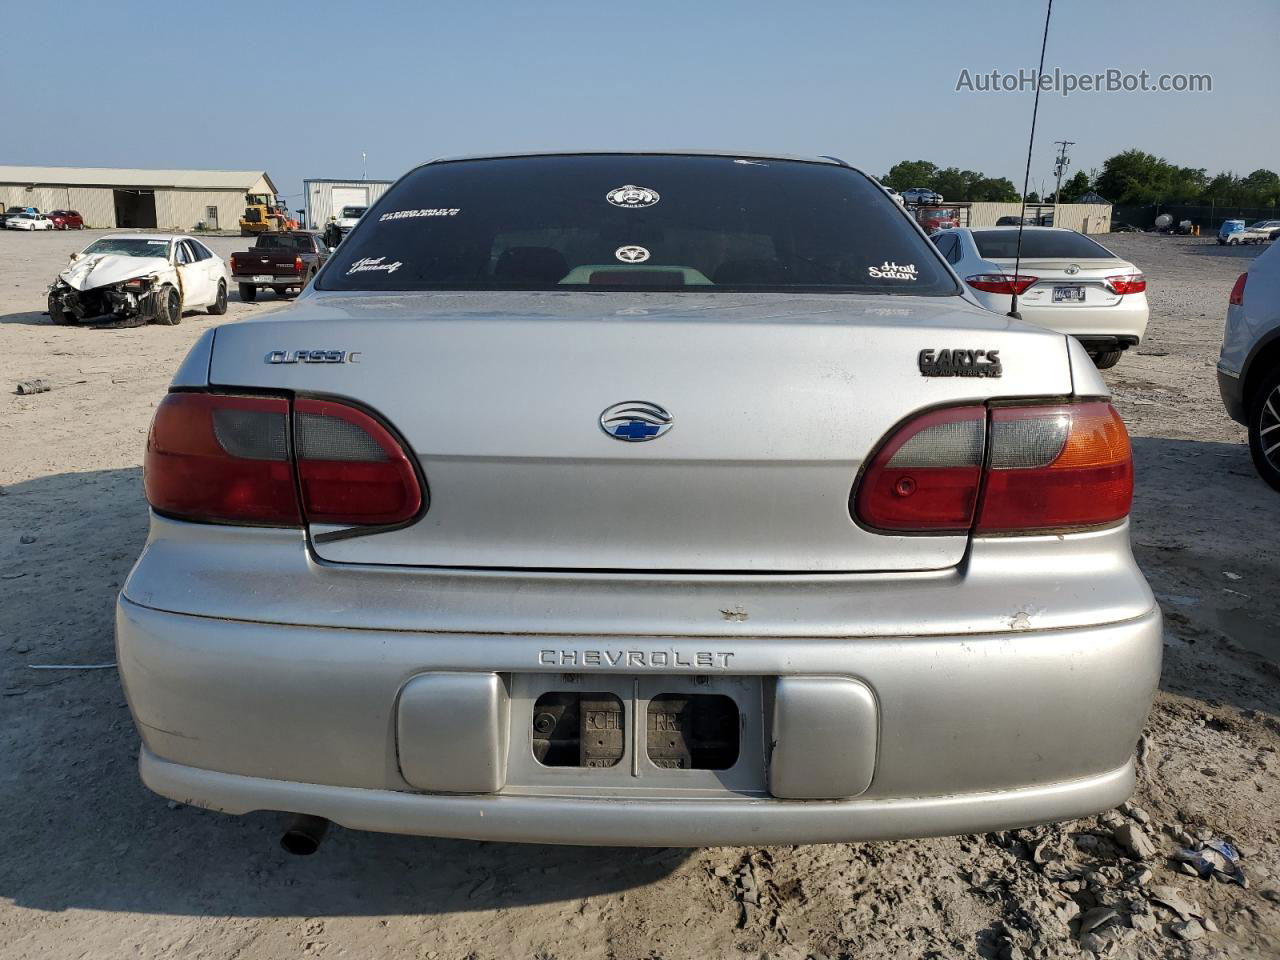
(66, 220)
(932, 219)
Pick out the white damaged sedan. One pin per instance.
(129, 280)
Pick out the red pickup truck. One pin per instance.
(281, 261)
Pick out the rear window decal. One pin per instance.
(631, 254)
(157, 243)
(369, 264)
(632, 197)
(893, 271)
(427, 212)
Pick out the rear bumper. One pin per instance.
(971, 732)
(1231, 387)
(641, 822)
(1126, 320)
(283, 280)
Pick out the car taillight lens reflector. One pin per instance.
(1001, 283)
(221, 458)
(1010, 470)
(1056, 467)
(1129, 283)
(1237, 291)
(926, 477)
(350, 469)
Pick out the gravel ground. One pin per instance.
(93, 865)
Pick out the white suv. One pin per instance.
(1249, 366)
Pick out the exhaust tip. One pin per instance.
(303, 836)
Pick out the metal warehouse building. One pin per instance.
(107, 197)
(325, 198)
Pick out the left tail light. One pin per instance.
(222, 459)
(217, 458)
(1001, 283)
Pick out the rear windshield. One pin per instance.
(267, 241)
(1038, 244)
(353, 213)
(637, 223)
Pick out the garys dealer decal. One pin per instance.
(960, 363)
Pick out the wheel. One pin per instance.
(171, 312)
(1106, 359)
(58, 315)
(248, 292)
(219, 306)
(1264, 429)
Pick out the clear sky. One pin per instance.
(300, 89)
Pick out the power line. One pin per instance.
(1059, 168)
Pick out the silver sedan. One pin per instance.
(639, 499)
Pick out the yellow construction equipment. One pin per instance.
(265, 214)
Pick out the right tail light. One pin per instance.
(220, 458)
(1017, 469)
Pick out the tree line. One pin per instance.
(1131, 177)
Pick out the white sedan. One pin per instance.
(1066, 282)
(28, 221)
(133, 279)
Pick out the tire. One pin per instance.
(219, 306)
(1106, 359)
(248, 292)
(59, 316)
(1264, 429)
(171, 313)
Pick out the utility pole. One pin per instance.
(364, 166)
(1059, 168)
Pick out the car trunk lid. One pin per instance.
(1054, 276)
(775, 404)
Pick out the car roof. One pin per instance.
(748, 155)
(1014, 228)
(146, 236)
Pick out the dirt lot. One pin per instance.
(91, 865)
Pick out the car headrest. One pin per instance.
(536, 264)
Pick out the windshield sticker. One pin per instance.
(752, 163)
(632, 197)
(367, 264)
(428, 212)
(631, 254)
(157, 243)
(893, 271)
